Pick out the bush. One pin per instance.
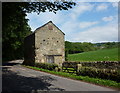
(100, 73)
(49, 66)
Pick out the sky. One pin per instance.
(86, 22)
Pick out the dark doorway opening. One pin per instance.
(50, 59)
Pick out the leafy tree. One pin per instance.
(78, 47)
(15, 25)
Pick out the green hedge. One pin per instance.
(49, 66)
(100, 73)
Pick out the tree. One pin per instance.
(78, 47)
(15, 25)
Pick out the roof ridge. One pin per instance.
(44, 25)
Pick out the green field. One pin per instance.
(99, 55)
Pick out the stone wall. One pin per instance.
(49, 41)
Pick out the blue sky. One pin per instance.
(85, 22)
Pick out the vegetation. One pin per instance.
(49, 66)
(96, 64)
(102, 64)
(98, 81)
(14, 29)
(78, 47)
(15, 24)
(108, 74)
(99, 55)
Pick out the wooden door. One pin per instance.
(50, 59)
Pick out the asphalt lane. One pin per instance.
(19, 78)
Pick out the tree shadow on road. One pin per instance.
(12, 82)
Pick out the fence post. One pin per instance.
(78, 67)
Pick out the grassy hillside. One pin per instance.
(99, 55)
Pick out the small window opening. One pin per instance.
(50, 27)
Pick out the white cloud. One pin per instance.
(97, 0)
(69, 27)
(72, 28)
(115, 4)
(56, 18)
(109, 18)
(80, 9)
(59, 17)
(71, 24)
(43, 18)
(101, 7)
(98, 34)
(87, 24)
(113, 0)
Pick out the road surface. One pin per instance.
(19, 78)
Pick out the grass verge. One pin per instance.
(98, 81)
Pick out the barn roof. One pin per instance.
(46, 24)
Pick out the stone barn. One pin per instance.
(45, 45)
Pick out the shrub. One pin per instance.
(100, 73)
(49, 66)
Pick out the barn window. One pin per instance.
(50, 27)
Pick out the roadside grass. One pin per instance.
(99, 55)
(98, 81)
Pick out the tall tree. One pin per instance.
(15, 25)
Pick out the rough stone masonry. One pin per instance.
(45, 44)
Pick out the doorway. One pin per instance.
(50, 59)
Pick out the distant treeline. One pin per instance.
(78, 47)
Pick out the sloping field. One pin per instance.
(99, 55)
